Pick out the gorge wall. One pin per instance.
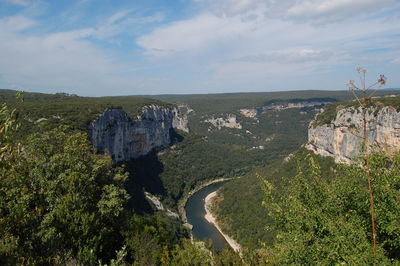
(115, 133)
(342, 138)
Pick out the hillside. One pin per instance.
(210, 111)
(240, 206)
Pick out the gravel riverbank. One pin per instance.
(211, 219)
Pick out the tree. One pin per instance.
(60, 201)
(326, 220)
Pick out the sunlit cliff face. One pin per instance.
(115, 133)
(342, 138)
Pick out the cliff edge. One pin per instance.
(342, 137)
(115, 133)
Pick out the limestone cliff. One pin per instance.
(115, 133)
(342, 138)
(180, 120)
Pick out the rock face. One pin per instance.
(342, 139)
(250, 112)
(180, 120)
(230, 121)
(115, 133)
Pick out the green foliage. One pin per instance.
(64, 109)
(62, 204)
(326, 220)
(205, 155)
(227, 257)
(197, 159)
(189, 254)
(197, 254)
(148, 237)
(386, 186)
(229, 102)
(240, 209)
(59, 200)
(268, 129)
(9, 125)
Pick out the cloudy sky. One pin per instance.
(125, 47)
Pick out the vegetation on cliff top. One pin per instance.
(64, 109)
(231, 102)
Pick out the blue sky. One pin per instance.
(121, 47)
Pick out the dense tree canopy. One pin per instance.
(320, 220)
(59, 200)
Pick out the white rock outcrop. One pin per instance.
(230, 122)
(180, 119)
(342, 138)
(250, 112)
(115, 133)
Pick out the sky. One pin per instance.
(141, 47)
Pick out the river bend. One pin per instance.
(195, 213)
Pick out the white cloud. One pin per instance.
(315, 11)
(232, 7)
(157, 17)
(16, 23)
(322, 11)
(228, 45)
(193, 34)
(24, 3)
(63, 60)
(239, 53)
(123, 20)
(118, 16)
(288, 56)
(231, 37)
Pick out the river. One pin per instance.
(195, 213)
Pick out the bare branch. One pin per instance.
(363, 104)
